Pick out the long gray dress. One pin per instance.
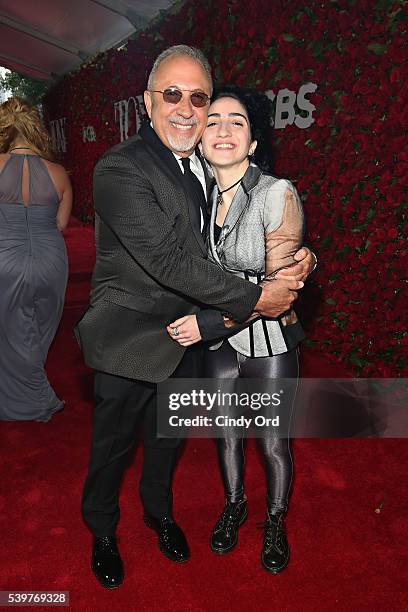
(33, 277)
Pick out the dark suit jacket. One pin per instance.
(151, 264)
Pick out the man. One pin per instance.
(151, 268)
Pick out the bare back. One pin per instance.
(59, 179)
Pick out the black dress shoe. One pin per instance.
(172, 541)
(106, 563)
(275, 553)
(225, 533)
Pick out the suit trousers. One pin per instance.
(121, 406)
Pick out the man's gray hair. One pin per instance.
(191, 52)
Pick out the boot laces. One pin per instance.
(274, 531)
(228, 517)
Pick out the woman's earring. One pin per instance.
(252, 148)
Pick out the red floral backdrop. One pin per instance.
(350, 166)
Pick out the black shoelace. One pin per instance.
(227, 518)
(274, 532)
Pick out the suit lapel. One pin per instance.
(238, 207)
(213, 249)
(209, 184)
(209, 179)
(169, 163)
(171, 167)
(242, 198)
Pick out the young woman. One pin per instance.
(256, 228)
(35, 205)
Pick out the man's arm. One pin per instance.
(127, 204)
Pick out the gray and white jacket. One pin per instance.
(262, 231)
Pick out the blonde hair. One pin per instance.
(18, 118)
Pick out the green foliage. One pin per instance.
(31, 90)
(377, 48)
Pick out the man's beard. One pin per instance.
(181, 143)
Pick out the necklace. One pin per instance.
(15, 149)
(220, 193)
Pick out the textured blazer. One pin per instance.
(262, 231)
(151, 264)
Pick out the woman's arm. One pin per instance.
(206, 325)
(283, 225)
(65, 205)
(283, 222)
(283, 239)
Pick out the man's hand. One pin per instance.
(306, 263)
(187, 330)
(278, 295)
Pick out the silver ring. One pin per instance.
(175, 331)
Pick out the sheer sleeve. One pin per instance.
(283, 222)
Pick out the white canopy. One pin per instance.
(44, 39)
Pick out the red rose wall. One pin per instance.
(350, 165)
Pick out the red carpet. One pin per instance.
(345, 556)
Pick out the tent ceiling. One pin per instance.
(44, 39)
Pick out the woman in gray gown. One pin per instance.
(35, 205)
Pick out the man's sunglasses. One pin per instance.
(173, 95)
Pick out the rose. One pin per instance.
(352, 174)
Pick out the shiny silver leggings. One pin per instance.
(227, 363)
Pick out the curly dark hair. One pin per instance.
(259, 109)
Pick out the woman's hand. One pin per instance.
(187, 330)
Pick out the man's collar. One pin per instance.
(193, 159)
(147, 133)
